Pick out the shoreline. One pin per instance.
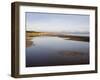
(71, 37)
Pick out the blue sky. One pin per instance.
(57, 22)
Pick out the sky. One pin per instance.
(51, 22)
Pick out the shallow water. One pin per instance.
(51, 51)
(78, 34)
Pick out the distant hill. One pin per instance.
(32, 31)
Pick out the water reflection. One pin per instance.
(29, 42)
(50, 51)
